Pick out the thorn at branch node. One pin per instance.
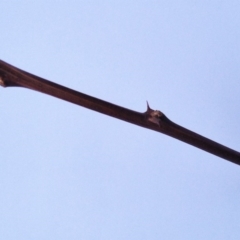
(153, 116)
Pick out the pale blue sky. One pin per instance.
(70, 173)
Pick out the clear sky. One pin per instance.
(70, 173)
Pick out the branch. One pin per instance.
(155, 120)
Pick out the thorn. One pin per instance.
(148, 107)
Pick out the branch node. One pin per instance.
(153, 116)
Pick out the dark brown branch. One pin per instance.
(154, 120)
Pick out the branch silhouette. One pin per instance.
(155, 120)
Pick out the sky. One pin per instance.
(67, 172)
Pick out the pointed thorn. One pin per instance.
(148, 108)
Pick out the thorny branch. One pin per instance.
(11, 76)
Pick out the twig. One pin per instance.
(11, 76)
